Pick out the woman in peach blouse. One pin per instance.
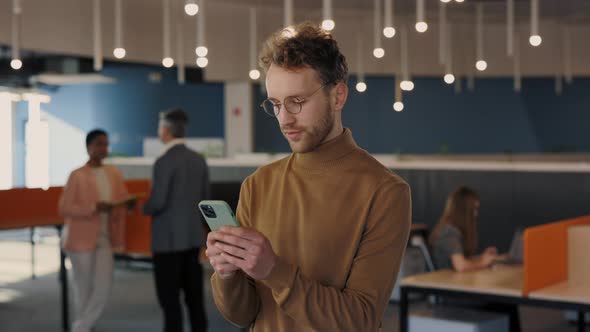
(94, 212)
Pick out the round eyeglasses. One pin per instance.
(292, 104)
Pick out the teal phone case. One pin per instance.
(223, 214)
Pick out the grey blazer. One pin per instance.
(180, 181)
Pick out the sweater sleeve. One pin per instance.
(69, 206)
(237, 298)
(360, 305)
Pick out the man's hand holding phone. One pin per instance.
(222, 267)
(234, 248)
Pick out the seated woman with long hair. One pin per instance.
(454, 239)
(454, 245)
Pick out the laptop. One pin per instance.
(514, 255)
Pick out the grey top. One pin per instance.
(448, 243)
(180, 181)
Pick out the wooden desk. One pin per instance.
(502, 284)
(500, 280)
(564, 292)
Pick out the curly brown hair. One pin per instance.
(306, 45)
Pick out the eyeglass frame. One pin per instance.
(282, 105)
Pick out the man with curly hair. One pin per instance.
(323, 231)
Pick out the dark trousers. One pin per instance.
(173, 272)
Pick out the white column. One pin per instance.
(6, 139)
(239, 126)
(36, 144)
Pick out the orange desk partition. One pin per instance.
(545, 254)
(25, 207)
(138, 227)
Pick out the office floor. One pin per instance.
(34, 305)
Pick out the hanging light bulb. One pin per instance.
(328, 22)
(389, 30)
(535, 39)
(398, 106)
(191, 8)
(119, 52)
(449, 78)
(361, 87)
(421, 25)
(202, 62)
(328, 25)
(201, 50)
(378, 51)
(406, 83)
(480, 64)
(168, 62)
(254, 73)
(16, 64)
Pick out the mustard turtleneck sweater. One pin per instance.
(339, 222)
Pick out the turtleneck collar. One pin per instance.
(328, 153)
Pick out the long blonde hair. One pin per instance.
(460, 213)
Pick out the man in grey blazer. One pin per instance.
(180, 181)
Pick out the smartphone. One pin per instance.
(217, 214)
